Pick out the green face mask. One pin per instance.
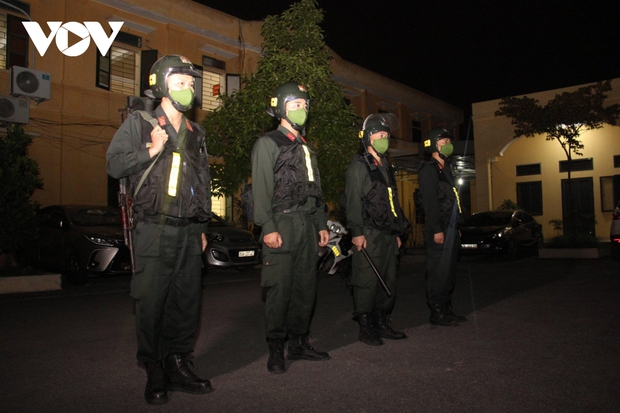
(381, 145)
(447, 149)
(184, 97)
(298, 116)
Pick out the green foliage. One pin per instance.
(509, 204)
(19, 178)
(293, 50)
(557, 225)
(564, 117)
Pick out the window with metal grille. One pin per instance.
(118, 71)
(13, 42)
(529, 197)
(530, 169)
(577, 165)
(123, 76)
(212, 85)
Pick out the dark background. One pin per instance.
(467, 51)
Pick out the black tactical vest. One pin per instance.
(292, 185)
(447, 194)
(381, 209)
(192, 199)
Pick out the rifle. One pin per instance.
(374, 268)
(124, 202)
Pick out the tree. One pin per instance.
(293, 50)
(19, 178)
(563, 119)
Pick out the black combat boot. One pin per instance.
(440, 317)
(156, 384)
(381, 321)
(458, 318)
(368, 333)
(182, 378)
(299, 348)
(276, 363)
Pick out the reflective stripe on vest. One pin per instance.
(392, 202)
(174, 174)
(458, 200)
(308, 164)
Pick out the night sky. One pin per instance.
(467, 51)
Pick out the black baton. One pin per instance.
(372, 265)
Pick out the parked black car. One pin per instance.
(82, 241)
(500, 232)
(229, 246)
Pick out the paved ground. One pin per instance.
(542, 336)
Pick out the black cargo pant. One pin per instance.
(167, 288)
(441, 263)
(368, 293)
(289, 275)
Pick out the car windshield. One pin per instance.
(217, 222)
(96, 217)
(487, 219)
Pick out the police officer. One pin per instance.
(440, 200)
(164, 155)
(376, 221)
(288, 205)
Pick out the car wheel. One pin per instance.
(511, 251)
(74, 274)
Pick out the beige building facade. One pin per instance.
(532, 171)
(89, 93)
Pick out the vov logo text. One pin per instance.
(61, 31)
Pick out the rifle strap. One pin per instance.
(147, 117)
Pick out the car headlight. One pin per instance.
(215, 237)
(107, 242)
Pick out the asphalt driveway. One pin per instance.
(542, 336)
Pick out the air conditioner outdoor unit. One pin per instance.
(140, 103)
(30, 83)
(14, 110)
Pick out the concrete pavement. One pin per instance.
(542, 336)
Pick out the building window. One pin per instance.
(616, 161)
(3, 45)
(416, 131)
(529, 197)
(118, 71)
(577, 165)
(530, 169)
(13, 42)
(213, 84)
(610, 192)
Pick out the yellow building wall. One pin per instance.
(73, 129)
(498, 153)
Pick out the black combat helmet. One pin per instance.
(164, 67)
(378, 122)
(437, 134)
(284, 93)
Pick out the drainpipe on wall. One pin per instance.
(491, 160)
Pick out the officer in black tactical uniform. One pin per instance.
(440, 200)
(164, 155)
(376, 221)
(288, 205)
